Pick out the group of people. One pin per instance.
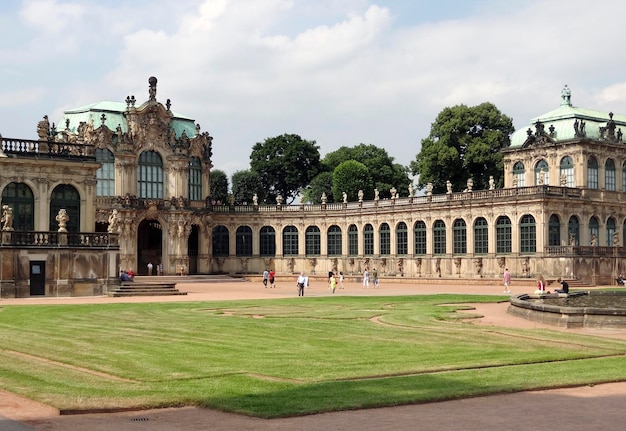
(127, 275)
(541, 284)
(269, 277)
(366, 279)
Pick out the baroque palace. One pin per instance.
(119, 185)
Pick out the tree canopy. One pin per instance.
(322, 183)
(285, 164)
(245, 184)
(350, 177)
(464, 142)
(219, 186)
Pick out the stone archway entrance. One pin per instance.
(192, 249)
(149, 246)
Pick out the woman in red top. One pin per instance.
(272, 274)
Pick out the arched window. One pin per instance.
(220, 241)
(610, 231)
(312, 245)
(594, 231)
(353, 240)
(528, 234)
(624, 177)
(542, 173)
(609, 175)
(573, 231)
(65, 196)
(554, 230)
(503, 235)
(368, 240)
(267, 241)
(419, 233)
(19, 197)
(402, 239)
(195, 179)
(481, 236)
(150, 175)
(105, 175)
(519, 172)
(592, 173)
(385, 239)
(567, 171)
(439, 237)
(243, 241)
(290, 241)
(459, 236)
(333, 238)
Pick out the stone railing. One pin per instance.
(50, 149)
(59, 239)
(591, 251)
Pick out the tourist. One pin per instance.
(340, 280)
(507, 280)
(271, 276)
(124, 276)
(366, 278)
(266, 276)
(333, 283)
(541, 284)
(620, 280)
(131, 274)
(330, 274)
(301, 282)
(149, 268)
(565, 286)
(375, 278)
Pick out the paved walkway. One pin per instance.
(571, 409)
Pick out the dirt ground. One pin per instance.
(571, 409)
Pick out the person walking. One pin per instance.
(301, 283)
(266, 276)
(375, 278)
(272, 276)
(149, 268)
(341, 280)
(507, 280)
(366, 279)
(333, 283)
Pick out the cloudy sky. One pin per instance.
(340, 72)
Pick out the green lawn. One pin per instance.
(294, 356)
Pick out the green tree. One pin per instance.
(464, 142)
(384, 173)
(245, 184)
(350, 177)
(286, 164)
(218, 186)
(322, 183)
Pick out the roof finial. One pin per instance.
(566, 96)
(152, 90)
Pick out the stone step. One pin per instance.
(145, 289)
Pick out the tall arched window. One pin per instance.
(594, 231)
(65, 196)
(609, 175)
(368, 240)
(333, 238)
(554, 230)
(290, 241)
(220, 241)
(567, 171)
(312, 244)
(243, 241)
(528, 234)
(503, 235)
(402, 239)
(267, 241)
(519, 172)
(353, 240)
(459, 236)
(195, 179)
(592, 173)
(481, 236)
(439, 237)
(19, 197)
(150, 175)
(542, 173)
(105, 175)
(573, 231)
(385, 239)
(610, 231)
(419, 233)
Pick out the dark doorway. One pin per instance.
(149, 243)
(192, 249)
(37, 277)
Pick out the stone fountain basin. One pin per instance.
(589, 309)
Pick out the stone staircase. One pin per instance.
(139, 288)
